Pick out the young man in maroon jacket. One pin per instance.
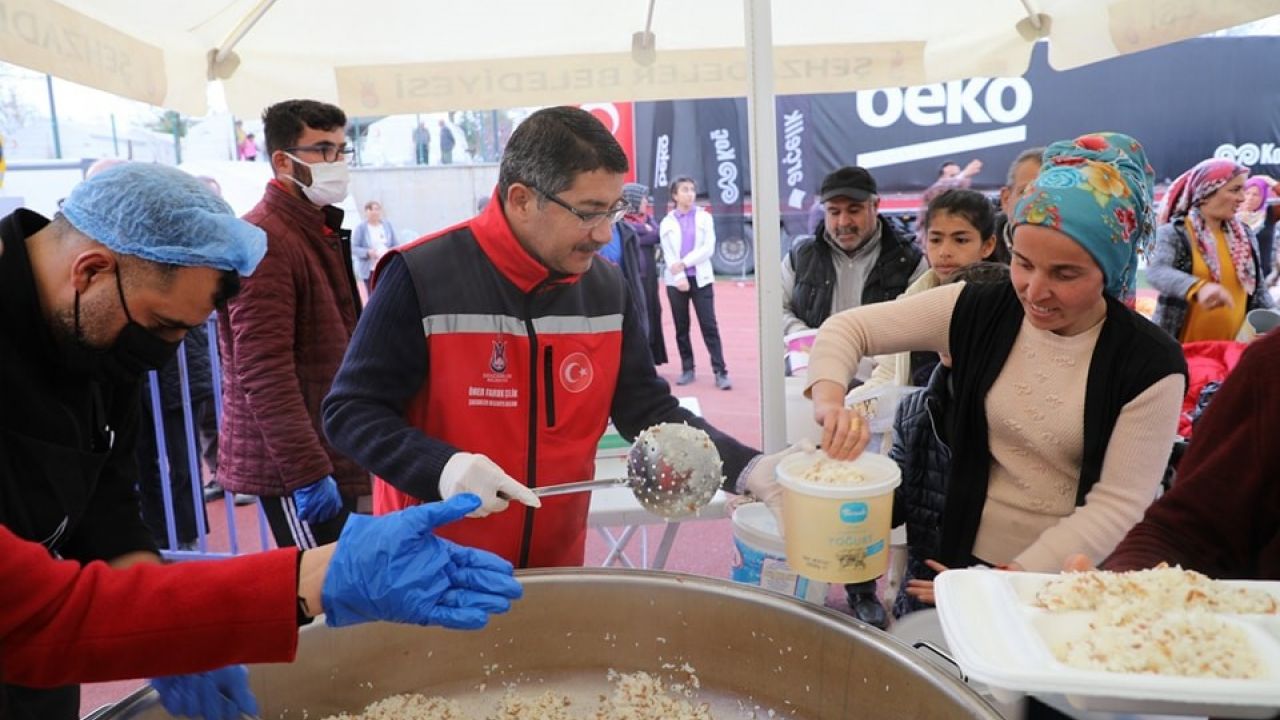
(282, 338)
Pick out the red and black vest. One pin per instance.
(522, 367)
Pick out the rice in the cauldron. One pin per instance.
(635, 696)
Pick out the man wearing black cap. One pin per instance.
(855, 257)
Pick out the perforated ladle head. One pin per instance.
(673, 469)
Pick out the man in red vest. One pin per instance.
(493, 354)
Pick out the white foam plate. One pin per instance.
(1000, 638)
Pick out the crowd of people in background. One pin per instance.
(247, 145)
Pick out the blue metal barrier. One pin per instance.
(173, 552)
(215, 371)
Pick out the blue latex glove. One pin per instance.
(318, 501)
(221, 694)
(393, 568)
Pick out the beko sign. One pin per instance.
(991, 110)
(977, 100)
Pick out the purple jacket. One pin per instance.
(282, 339)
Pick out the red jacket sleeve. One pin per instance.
(61, 623)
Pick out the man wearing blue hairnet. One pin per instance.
(89, 302)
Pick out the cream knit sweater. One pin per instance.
(1035, 415)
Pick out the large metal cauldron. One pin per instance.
(764, 649)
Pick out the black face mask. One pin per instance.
(135, 351)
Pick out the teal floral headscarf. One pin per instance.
(1097, 189)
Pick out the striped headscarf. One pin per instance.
(1184, 199)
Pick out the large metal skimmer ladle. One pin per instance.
(673, 469)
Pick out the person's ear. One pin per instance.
(281, 163)
(521, 201)
(89, 264)
(988, 247)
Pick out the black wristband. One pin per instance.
(303, 617)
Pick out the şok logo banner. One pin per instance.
(720, 140)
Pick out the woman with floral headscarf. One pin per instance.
(1204, 260)
(1063, 401)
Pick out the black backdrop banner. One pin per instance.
(798, 180)
(1185, 102)
(659, 155)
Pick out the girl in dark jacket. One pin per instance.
(920, 448)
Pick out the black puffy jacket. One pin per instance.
(920, 448)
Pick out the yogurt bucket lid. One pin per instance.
(881, 475)
(754, 524)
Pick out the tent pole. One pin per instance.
(240, 30)
(1033, 16)
(53, 118)
(762, 130)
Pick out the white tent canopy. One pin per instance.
(390, 56)
(379, 57)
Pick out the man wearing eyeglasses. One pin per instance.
(493, 353)
(283, 337)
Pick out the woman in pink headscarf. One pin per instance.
(1256, 216)
(1204, 261)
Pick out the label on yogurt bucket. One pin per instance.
(853, 512)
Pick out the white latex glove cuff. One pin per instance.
(451, 475)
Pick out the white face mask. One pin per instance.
(328, 181)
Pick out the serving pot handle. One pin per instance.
(926, 645)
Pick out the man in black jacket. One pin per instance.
(90, 301)
(855, 258)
